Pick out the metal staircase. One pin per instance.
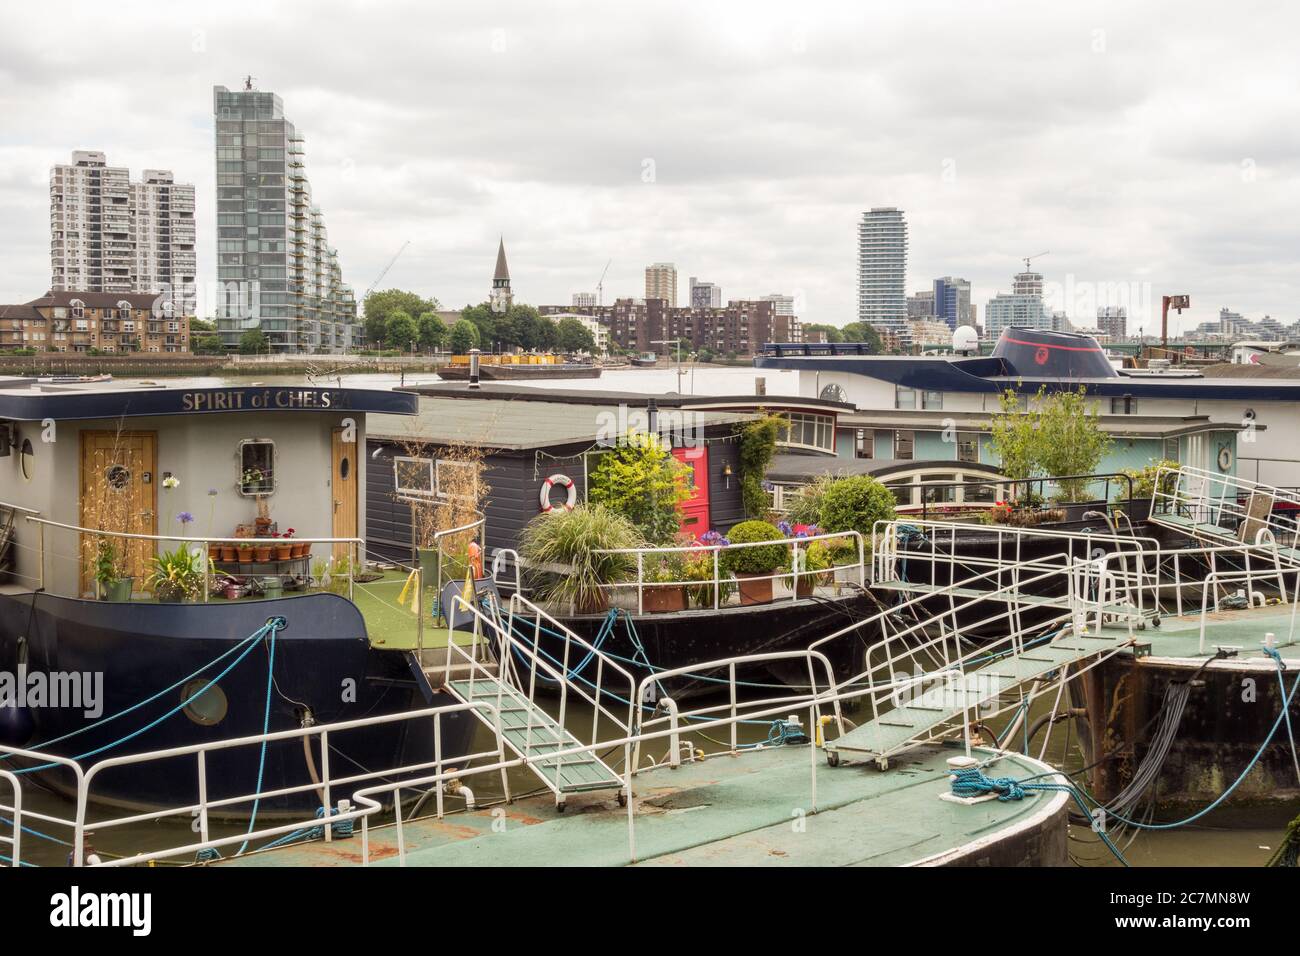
(925, 680)
(1224, 509)
(512, 650)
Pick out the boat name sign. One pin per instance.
(236, 399)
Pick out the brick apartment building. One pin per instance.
(111, 322)
(642, 325)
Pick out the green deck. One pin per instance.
(744, 810)
(392, 626)
(1179, 637)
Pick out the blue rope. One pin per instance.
(170, 713)
(252, 638)
(36, 833)
(274, 625)
(971, 782)
(343, 828)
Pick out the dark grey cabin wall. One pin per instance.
(515, 480)
(725, 505)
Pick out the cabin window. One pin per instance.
(904, 444)
(27, 459)
(811, 431)
(207, 702)
(968, 446)
(864, 443)
(931, 399)
(1123, 405)
(904, 397)
(1170, 450)
(833, 393)
(256, 467)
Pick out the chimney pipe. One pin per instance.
(473, 368)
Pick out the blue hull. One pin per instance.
(325, 670)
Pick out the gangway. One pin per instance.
(1224, 509)
(924, 676)
(511, 651)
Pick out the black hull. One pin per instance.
(324, 668)
(685, 638)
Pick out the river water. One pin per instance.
(1228, 838)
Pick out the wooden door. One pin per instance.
(343, 491)
(695, 509)
(119, 492)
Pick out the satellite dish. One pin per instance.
(964, 340)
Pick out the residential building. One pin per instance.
(109, 234)
(1112, 321)
(277, 271)
(1022, 307)
(882, 269)
(705, 295)
(661, 283)
(583, 299)
(920, 306)
(952, 301)
(930, 332)
(76, 321)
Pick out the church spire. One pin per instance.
(501, 298)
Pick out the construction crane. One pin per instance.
(379, 278)
(1035, 256)
(600, 286)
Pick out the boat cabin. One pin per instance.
(195, 462)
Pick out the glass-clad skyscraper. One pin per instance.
(882, 269)
(275, 266)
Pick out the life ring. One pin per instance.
(565, 482)
(1225, 458)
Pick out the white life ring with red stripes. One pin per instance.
(565, 482)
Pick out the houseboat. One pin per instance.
(539, 448)
(1220, 418)
(517, 368)
(190, 558)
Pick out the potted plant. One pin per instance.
(245, 552)
(664, 591)
(297, 549)
(699, 567)
(811, 564)
(178, 576)
(261, 551)
(229, 552)
(561, 551)
(283, 548)
(755, 567)
(113, 585)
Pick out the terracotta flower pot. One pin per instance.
(805, 585)
(663, 598)
(755, 588)
(283, 552)
(301, 549)
(245, 555)
(262, 552)
(214, 552)
(229, 553)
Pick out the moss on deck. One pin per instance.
(393, 626)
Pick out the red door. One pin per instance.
(695, 509)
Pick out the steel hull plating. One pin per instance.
(325, 670)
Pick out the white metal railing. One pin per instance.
(949, 552)
(1224, 506)
(200, 812)
(199, 554)
(799, 578)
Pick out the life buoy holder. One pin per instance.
(565, 482)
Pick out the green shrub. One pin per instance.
(560, 548)
(855, 503)
(641, 480)
(1144, 479)
(757, 446)
(806, 506)
(755, 560)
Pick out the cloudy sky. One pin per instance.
(1152, 151)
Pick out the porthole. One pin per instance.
(345, 468)
(27, 459)
(209, 707)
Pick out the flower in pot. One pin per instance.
(229, 552)
(113, 584)
(663, 590)
(297, 549)
(283, 548)
(178, 575)
(562, 551)
(245, 553)
(262, 551)
(754, 567)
